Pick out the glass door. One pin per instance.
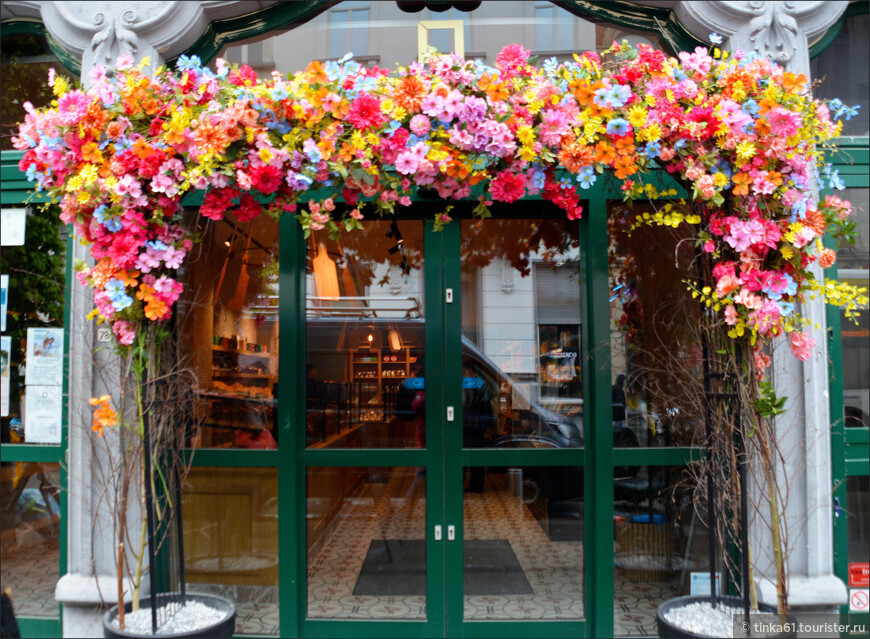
(514, 447)
(442, 457)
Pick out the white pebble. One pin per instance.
(702, 619)
(192, 616)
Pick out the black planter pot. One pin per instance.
(667, 630)
(223, 629)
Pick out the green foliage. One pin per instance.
(768, 404)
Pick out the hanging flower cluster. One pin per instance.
(743, 134)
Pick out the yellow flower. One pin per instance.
(746, 150)
(637, 115)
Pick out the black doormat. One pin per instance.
(397, 567)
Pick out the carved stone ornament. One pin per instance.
(781, 31)
(100, 32)
(507, 278)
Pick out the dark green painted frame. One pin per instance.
(849, 447)
(854, 9)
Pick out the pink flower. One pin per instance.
(72, 107)
(507, 187)
(125, 332)
(419, 124)
(511, 60)
(801, 345)
(783, 123)
(407, 163)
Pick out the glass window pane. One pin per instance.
(522, 371)
(857, 255)
(365, 385)
(656, 358)
(30, 531)
(845, 71)
(854, 333)
(36, 272)
(660, 541)
(858, 501)
(26, 59)
(231, 541)
(366, 536)
(381, 33)
(523, 543)
(230, 324)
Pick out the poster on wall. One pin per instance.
(42, 414)
(5, 358)
(44, 357)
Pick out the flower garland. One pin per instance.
(744, 135)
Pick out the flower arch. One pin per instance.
(743, 135)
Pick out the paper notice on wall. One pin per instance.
(5, 358)
(44, 357)
(42, 414)
(4, 297)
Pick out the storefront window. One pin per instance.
(858, 526)
(25, 60)
(660, 545)
(381, 33)
(366, 540)
(230, 325)
(365, 369)
(844, 70)
(30, 496)
(657, 363)
(231, 542)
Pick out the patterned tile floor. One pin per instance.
(30, 568)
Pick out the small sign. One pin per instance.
(104, 334)
(859, 575)
(12, 222)
(700, 583)
(859, 600)
(44, 357)
(42, 415)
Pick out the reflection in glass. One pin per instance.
(521, 359)
(230, 323)
(30, 498)
(380, 33)
(366, 540)
(857, 255)
(659, 541)
(523, 543)
(231, 541)
(656, 356)
(858, 526)
(844, 67)
(365, 371)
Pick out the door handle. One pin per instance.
(437, 533)
(451, 532)
(450, 413)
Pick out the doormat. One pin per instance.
(397, 567)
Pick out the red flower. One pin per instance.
(365, 112)
(507, 187)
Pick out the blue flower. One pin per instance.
(750, 107)
(618, 127)
(191, 63)
(118, 294)
(550, 65)
(347, 56)
(279, 92)
(538, 179)
(785, 308)
(715, 38)
(586, 177)
(835, 181)
(652, 149)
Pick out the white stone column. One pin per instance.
(782, 32)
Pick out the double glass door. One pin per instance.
(443, 459)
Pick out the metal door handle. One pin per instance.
(450, 413)
(451, 533)
(437, 533)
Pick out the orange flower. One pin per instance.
(604, 153)
(495, 90)
(741, 183)
(625, 166)
(457, 169)
(104, 416)
(128, 278)
(816, 221)
(156, 309)
(317, 71)
(793, 83)
(145, 292)
(575, 155)
(624, 146)
(410, 92)
(142, 149)
(346, 153)
(774, 177)
(102, 272)
(827, 257)
(91, 153)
